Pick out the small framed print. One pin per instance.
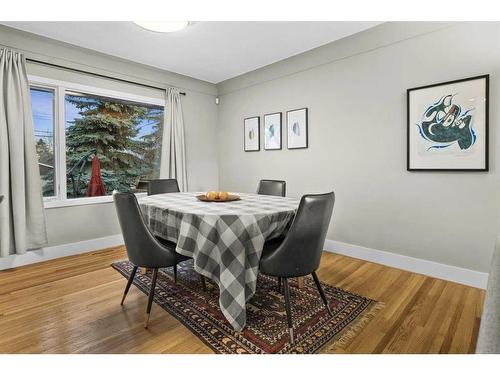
(272, 131)
(251, 127)
(447, 126)
(296, 122)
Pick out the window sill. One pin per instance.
(57, 203)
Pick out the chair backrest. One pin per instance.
(162, 186)
(143, 248)
(300, 252)
(489, 331)
(272, 187)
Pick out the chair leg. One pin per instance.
(288, 309)
(279, 284)
(321, 292)
(203, 283)
(129, 283)
(151, 295)
(175, 273)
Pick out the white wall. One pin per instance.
(81, 223)
(355, 91)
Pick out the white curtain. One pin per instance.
(173, 152)
(22, 216)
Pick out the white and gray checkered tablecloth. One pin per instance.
(225, 239)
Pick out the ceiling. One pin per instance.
(210, 51)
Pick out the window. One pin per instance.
(122, 131)
(42, 101)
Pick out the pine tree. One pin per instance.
(108, 128)
(44, 152)
(46, 162)
(152, 144)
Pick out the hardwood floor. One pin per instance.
(72, 305)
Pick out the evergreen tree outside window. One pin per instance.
(125, 136)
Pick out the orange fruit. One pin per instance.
(211, 195)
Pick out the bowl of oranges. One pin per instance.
(218, 196)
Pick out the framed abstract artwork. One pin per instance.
(296, 123)
(251, 127)
(272, 131)
(447, 126)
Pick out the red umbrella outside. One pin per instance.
(96, 185)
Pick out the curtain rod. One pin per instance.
(97, 74)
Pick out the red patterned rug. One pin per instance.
(266, 330)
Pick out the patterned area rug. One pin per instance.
(266, 330)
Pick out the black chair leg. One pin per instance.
(151, 295)
(288, 309)
(175, 274)
(129, 283)
(321, 292)
(279, 284)
(203, 283)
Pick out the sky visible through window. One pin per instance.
(42, 103)
(43, 114)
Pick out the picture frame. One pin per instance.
(448, 126)
(272, 131)
(297, 128)
(251, 134)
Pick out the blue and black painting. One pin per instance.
(444, 124)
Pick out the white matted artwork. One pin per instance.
(251, 127)
(448, 126)
(272, 131)
(296, 122)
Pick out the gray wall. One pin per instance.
(355, 90)
(73, 224)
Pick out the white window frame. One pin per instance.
(60, 89)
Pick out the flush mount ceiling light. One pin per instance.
(163, 27)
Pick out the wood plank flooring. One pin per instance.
(72, 305)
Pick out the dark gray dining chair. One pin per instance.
(299, 252)
(162, 186)
(143, 249)
(272, 187)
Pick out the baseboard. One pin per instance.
(52, 252)
(421, 266)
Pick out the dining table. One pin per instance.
(225, 239)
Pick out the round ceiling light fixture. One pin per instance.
(163, 26)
